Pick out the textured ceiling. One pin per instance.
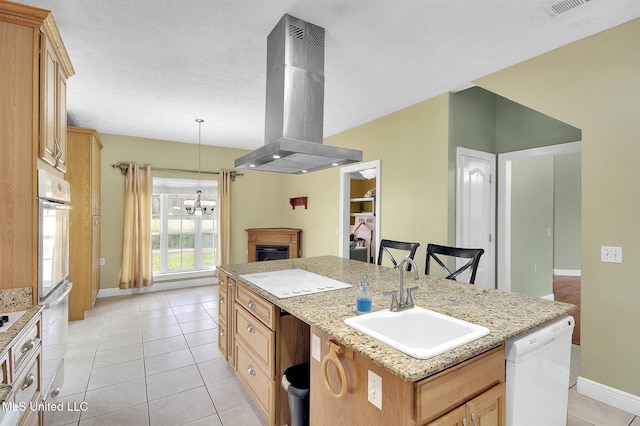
(150, 68)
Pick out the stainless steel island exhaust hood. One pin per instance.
(295, 105)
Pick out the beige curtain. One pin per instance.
(136, 269)
(224, 217)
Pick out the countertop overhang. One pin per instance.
(506, 314)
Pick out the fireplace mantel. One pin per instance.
(274, 237)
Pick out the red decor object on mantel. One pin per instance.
(298, 201)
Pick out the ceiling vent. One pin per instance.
(562, 6)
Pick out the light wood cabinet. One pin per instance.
(83, 175)
(266, 342)
(472, 388)
(487, 408)
(23, 31)
(53, 114)
(226, 301)
(21, 366)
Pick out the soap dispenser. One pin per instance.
(363, 298)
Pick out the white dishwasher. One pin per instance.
(538, 365)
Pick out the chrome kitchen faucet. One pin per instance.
(405, 303)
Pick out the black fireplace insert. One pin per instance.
(271, 252)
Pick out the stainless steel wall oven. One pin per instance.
(54, 196)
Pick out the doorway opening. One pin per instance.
(534, 167)
(360, 197)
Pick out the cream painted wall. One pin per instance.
(256, 195)
(593, 85)
(567, 221)
(413, 147)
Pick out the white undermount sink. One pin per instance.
(418, 332)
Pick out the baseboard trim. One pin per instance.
(568, 272)
(171, 285)
(608, 395)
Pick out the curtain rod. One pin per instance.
(124, 166)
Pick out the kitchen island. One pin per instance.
(506, 315)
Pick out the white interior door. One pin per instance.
(475, 210)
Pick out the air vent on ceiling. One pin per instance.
(562, 6)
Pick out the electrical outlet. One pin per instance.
(611, 254)
(102, 261)
(315, 347)
(375, 389)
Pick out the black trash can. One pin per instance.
(296, 382)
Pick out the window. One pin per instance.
(182, 242)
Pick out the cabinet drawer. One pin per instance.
(222, 303)
(27, 386)
(262, 309)
(24, 347)
(257, 338)
(445, 391)
(259, 385)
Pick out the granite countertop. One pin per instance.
(506, 314)
(14, 300)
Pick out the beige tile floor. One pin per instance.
(152, 359)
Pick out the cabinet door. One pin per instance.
(488, 409)
(53, 101)
(48, 63)
(61, 119)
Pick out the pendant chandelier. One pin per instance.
(199, 206)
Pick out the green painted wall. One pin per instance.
(593, 85)
(532, 226)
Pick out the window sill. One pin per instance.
(174, 276)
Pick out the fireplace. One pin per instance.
(267, 252)
(273, 244)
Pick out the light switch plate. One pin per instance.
(611, 254)
(315, 347)
(374, 388)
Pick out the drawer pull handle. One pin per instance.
(251, 370)
(222, 300)
(333, 355)
(28, 346)
(221, 282)
(55, 392)
(222, 332)
(250, 328)
(28, 381)
(251, 305)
